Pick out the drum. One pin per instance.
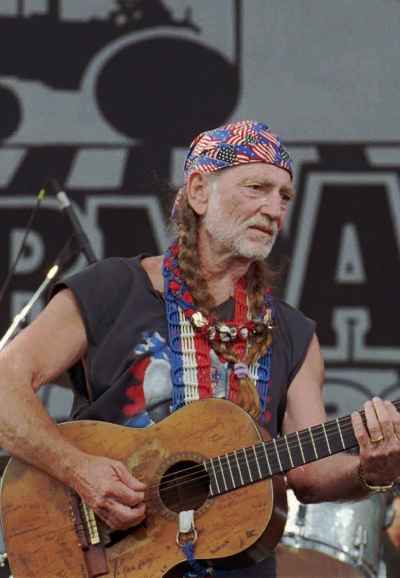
(394, 528)
(391, 543)
(332, 540)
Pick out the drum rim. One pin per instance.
(300, 543)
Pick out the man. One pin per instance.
(194, 323)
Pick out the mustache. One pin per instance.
(267, 224)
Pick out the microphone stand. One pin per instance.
(62, 260)
(20, 318)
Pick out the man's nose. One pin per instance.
(272, 206)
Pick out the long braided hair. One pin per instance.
(259, 277)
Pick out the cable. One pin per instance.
(40, 196)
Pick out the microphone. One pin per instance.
(80, 235)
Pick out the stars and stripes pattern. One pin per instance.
(236, 143)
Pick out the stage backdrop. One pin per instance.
(105, 96)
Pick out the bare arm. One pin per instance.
(37, 355)
(336, 477)
(41, 352)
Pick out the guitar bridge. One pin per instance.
(89, 537)
(90, 522)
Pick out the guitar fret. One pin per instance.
(215, 476)
(239, 468)
(320, 441)
(213, 481)
(273, 458)
(335, 443)
(348, 433)
(247, 463)
(326, 438)
(305, 437)
(289, 452)
(244, 466)
(222, 473)
(219, 474)
(277, 455)
(284, 454)
(293, 451)
(313, 443)
(340, 433)
(267, 459)
(230, 471)
(301, 448)
(258, 465)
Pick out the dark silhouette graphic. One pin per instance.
(146, 13)
(10, 112)
(151, 87)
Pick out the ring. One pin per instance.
(377, 440)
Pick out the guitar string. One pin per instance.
(176, 478)
(259, 447)
(284, 441)
(199, 468)
(280, 441)
(199, 473)
(290, 440)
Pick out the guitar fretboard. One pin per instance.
(252, 464)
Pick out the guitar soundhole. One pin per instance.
(184, 486)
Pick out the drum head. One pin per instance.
(303, 563)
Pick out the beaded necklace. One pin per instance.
(192, 334)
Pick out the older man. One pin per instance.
(159, 332)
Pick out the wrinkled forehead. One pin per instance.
(256, 173)
(233, 144)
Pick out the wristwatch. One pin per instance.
(370, 487)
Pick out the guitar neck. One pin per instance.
(249, 465)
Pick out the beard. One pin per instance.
(234, 237)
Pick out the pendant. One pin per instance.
(199, 320)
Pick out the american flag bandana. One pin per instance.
(236, 143)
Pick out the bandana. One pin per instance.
(236, 143)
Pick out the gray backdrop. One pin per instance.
(105, 96)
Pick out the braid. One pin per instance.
(188, 258)
(258, 277)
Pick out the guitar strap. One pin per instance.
(186, 538)
(197, 569)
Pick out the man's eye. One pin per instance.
(286, 197)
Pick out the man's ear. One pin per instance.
(198, 191)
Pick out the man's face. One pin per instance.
(247, 207)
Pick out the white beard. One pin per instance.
(233, 237)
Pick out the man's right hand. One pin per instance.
(107, 487)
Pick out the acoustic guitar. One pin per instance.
(209, 457)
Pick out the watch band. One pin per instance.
(370, 487)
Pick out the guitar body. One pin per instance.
(40, 527)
